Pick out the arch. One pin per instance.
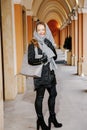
(56, 9)
(49, 8)
(54, 16)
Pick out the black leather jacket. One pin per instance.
(48, 77)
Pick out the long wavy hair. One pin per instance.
(35, 42)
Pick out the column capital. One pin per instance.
(29, 13)
(74, 17)
(17, 1)
(82, 10)
(35, 18)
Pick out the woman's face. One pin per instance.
(41, 30)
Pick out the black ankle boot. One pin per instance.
(52, 119)
(41, 123)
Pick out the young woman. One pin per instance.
(48, 55)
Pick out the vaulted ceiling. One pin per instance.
(53, 9)
(58, 10)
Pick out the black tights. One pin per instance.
(51, 100)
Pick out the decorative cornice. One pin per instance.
(74, 17)
(35, 18)
(79, 10)
(82, 10)
(17, 1)
(29, 12)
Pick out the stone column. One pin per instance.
(34, 23)
(1, 91)
(80, 43)
(20, 35)
(29, 26)
(10, 80)
(1, 84)
(82, 40)
(76, 40)
(73, 42)
(68, 26)
(84, 48)
(69, 29)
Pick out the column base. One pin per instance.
(21, 83)
(69, 57)
(74, 61)
(82, 68)
(1, 116)
(79, 68)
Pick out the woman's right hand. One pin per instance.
(44, 58)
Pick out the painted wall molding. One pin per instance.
(29, 13)
(82, 10)
(17, 1)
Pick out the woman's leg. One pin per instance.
(51, 100)
(38, 107)
(39, 100)
(51, 104)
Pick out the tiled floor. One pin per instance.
(71, 103)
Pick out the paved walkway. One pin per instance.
(71, 103)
